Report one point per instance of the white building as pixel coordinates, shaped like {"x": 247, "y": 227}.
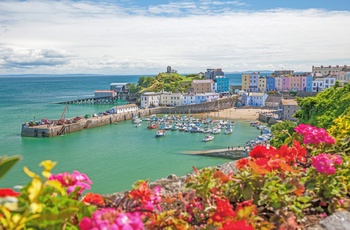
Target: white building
{"x": 105, "y": 93}
{"x": 124, "y": 108}
{"x": 254, "y": 99}
{"x": 320, "y": 84}
{"x": 170, "y": 99}
{"x": 329, "y": 70}
{"x": 150, "y": 99}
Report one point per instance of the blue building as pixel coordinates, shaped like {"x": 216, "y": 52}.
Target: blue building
{"x": 222, "y": 84}
{"x": 309, "y": 80}
{"x": 270, "y": 84}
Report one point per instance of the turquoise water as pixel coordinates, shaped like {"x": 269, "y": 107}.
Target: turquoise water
{"x": 113, "y": 156}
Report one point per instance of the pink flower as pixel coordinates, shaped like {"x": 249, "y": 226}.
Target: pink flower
{"x": 109, "y": 218}
{"x": 324, "y": 163}
{"x": 71, "y": 181}
{"x": 314, "y": 135}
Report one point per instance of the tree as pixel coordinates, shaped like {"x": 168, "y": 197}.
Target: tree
{"x": 322, "y": 109}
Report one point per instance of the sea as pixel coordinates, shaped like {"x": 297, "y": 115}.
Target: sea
{"x": 112, "y": 156}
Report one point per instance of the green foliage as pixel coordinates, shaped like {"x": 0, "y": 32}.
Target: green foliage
{"x": 172, "y": 82}
{"x": 6, "y": 163}
{"x": 322, "y": 109}
{"x": 281, "y": 132}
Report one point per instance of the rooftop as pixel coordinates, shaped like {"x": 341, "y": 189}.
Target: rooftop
{"x": 289, "y": 102}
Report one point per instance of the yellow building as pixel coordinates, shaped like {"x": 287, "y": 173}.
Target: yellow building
{"x": 262, "y": 84}
{"x": 245, "y": 82}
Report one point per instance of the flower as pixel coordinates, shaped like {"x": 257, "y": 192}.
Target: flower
{"x": 71, "y": 181}
{"x": 314, "y": 135}
{"x": 241, "y": 163}
{"x": 92, "y": 198}
{"x": 324, "y": 163}
{"x": 236, "y": 225}
{"x": 223, "y": 210}
{"x": 4, "y": 192}
{"x": 109, "y": 218}
{"x": 146, "y": 196}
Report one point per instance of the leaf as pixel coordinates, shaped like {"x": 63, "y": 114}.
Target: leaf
{"x": 246, "y": 212}
{"x": 6, "y": 163}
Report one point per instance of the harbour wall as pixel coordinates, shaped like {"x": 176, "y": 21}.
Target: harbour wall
{"x": 87, "y": 123}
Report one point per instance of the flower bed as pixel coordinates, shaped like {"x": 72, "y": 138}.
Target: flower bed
{"x": 289, "y": 187}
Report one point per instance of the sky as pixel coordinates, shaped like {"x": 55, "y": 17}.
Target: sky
{"x": 121, "y": 37}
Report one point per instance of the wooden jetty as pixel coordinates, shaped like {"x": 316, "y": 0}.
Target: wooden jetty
{"x": 233, "y": 153}
{"x": 93, "y": 100}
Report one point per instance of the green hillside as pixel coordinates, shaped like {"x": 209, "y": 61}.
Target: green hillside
{"x": 172, "y": 82}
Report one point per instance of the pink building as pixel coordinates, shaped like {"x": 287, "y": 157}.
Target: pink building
{"x": 295, "y": 83}
{"x": 285, "y": 83}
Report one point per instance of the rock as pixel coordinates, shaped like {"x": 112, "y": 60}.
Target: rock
{"x": 337, "y": 221}
{"x": 172, "y": 177}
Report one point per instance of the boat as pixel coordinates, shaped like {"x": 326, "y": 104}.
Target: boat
{"x": 152, "y": 126}
{"x": 137, "y": 125}
{"x": 208, "y": 138}
{"x": 160, "y": 133}
{"x": 216, "y": 131}
{"x": 228, "y": 131}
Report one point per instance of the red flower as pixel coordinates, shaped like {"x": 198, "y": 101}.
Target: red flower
{"x": 8, "y": 192}
{"x": 241, "y": 163}
{"x": 93, "y": 198}
{"x": 236, "y": 225}
{"x": 259, "y": 151}
{"x": 223, "y": 210}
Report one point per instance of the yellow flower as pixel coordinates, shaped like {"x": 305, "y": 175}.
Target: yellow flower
{"x": 34, "y": 189}
{"x": 48, "y": 165}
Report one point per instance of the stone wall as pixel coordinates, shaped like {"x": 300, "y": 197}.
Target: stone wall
{"x": 86, "y": 123}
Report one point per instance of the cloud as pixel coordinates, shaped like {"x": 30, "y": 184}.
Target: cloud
{"x": 102, "y": 37}
{"x": 30, "y": 58}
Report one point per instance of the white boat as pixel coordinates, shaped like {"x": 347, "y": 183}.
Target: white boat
{"x": 137, "y": 125}
{"x": 216, "y": 131}
{"x": 228, "y": 131}
{"x": 208, "y": 138}
{"x": 160, "y": 133}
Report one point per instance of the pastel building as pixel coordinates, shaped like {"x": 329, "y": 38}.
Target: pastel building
{"x": 170, "y": 99}
{"x": 262, "y": 84}
{"x": 188, "y": 99}
{"x": 203, "y": 86}
{"x": 222, "y": 84}
{"x": 206, "y": 97}
{"x": 295, "y": 83}
{"x": 150, "y": 99}
{"x": 245, "y": 82}
{"x": 254, "y": 82}
{"x": 270, "y": 84}
{"x": 306, "y": 83}
{"x": 285, "y": 83}
{"x": 254, "y": 99}
{"x": 278, "y": 83}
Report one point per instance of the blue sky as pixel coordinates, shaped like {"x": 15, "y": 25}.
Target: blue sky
{"x": 143, "y": 37}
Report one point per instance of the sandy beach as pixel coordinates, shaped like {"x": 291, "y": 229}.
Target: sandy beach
{"x": 238, "y": 113}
